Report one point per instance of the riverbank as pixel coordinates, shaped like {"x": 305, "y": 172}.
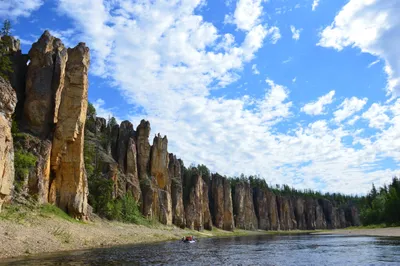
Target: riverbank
{"x": 388, "y": 231}
{"x": 37, "y": 230}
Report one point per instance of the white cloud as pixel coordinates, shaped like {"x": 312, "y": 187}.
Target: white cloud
{"x": 275, "y": 34}
{"x": 255, "y": 70}
{"x": 295, "y": 32}
{"x": 353, "y": 120}
{"x": 314, "y": 5}
{"x": 318, "y": 107}
{"x": 166, "y": 60}
{"x": 287, "y": 60}
{"x": 247, "y": 14}
{"x": 377, "y": 116}
{"x": 349, "y": 107}
{"x": 106, "y": 113}
{"x": 294, "y": 80}
{"x": 374, "y": 63}
{"x": 373, "y": 27}
{"x": 18, "y": 8}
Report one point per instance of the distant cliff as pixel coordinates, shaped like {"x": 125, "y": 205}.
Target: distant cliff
{"x": 81, "y": 162}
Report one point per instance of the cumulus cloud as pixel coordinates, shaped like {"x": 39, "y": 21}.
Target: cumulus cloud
{"x": 318, "y": 107}
{"x": 314, "y": 5}
{"x": 295, "y": 32}
{"x": 349, "y": 107}
{"x": 166, "y": 59}
{"x": 18, "y": 8}
{"x": 374, "y": 28}
{"x": 247, "y": 14}
{"x": 377, "y": 116}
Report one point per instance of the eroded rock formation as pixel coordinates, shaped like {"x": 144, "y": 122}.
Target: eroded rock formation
{"x": 222, "y": 208}
{"x": 243, "y": 207}
{"x": 44, "y": 84}
{"x": 197, "y": 208}
{"x": 175, "y": 174}
{"x": 69, "y": 189}
{"x": 8, "y": 101}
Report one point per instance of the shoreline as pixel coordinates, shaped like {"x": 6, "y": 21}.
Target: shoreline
{"x": 379, "y": 232}
{"x": 46, "y": 231}
{"x": 41, "y": 231}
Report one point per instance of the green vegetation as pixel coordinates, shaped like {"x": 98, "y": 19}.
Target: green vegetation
{"x": 5, "y": 30}
{"x": 24, "y": 161}
{"x": 5, "y": 62}
{"x": 382, "y": 207}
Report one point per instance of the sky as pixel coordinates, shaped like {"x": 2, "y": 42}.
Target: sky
{"x": 300, "y": 92}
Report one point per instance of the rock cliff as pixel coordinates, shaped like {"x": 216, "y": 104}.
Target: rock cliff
{"x": 69, "y": 188}
{"x": 243, "y": 207}
{"x": 175, "y": 174}
{"x": 221, "y": 203}
{"x": 8, "y": 101}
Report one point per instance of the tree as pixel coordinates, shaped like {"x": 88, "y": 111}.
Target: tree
{"x": 5, "y": 62}
{"x": 5, "y": 31}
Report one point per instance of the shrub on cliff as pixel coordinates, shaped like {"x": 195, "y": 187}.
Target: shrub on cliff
{"x": 5, "y": 62}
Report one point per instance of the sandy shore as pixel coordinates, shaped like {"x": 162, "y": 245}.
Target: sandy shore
{"x": 36, "y": 232}
{"x": 390, "y": 231}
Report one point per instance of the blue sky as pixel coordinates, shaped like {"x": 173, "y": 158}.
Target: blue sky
{"x": 300, "y": 92}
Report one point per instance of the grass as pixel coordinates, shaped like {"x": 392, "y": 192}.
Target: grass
{"x": 62, "y": 235}
{"x": 372, "y": 226}
{"x": 49, "y": 210}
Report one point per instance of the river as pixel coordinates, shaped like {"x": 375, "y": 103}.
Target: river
{"x": 249, "y": 250}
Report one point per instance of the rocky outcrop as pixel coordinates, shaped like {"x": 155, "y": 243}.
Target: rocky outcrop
{"x": 352, "y": 216}
{"x": 132, "y": 175}
{"x": 299, "y": 205}
{"x": 8, "y": 101}
{"x": 284, "y": 211}
{"x": 69, "y": 189}
{"x": 125, "y": 133}
{"x": 221, "y": 203}
{"x": 243, "y": 207}
{"x": 44, "y": 84}
{"x": 143, "y": 161}
{"x": 159, "y": 161}
{"x": 175, "y": 174}
{"x": 320, "y": 220}
{"x": 261, "y": 208}
{"x": 197, "y": 210}
{"x": 100, "y": 125}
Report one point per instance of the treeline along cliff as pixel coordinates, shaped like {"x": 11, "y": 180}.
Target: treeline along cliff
{"x": 65, "y": 155}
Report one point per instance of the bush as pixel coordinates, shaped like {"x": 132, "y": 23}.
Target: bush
{"x": 23, "y": 163}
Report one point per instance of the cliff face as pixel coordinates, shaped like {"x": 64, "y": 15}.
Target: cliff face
{"x": 243, "y": 207}
{"x": 69, "y": 189}
{"x": 222, "y": 208}
{"x": 8, "y": 101}
{"x": 175, "y": 174}
{"x": 197, "y": 210}
{"x": 44, "y": 84}
{"x": 159, "y": 161}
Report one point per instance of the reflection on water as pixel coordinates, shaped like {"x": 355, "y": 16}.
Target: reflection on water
{"x": 250, "y": 250}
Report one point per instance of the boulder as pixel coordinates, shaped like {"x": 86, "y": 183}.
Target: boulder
{"x": 221, "y": 203}
{"x": 8, "y": 101}
{"x": 243, "y": 207}
{"x": 69, "y": 189}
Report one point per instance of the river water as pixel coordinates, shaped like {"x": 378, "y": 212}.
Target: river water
{"x": 248, "y": 250}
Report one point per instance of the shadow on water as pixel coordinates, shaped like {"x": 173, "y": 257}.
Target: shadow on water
{"x": 249, "y": 250}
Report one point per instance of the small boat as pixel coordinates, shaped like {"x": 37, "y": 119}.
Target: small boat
{"x": 188, "y": 239}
